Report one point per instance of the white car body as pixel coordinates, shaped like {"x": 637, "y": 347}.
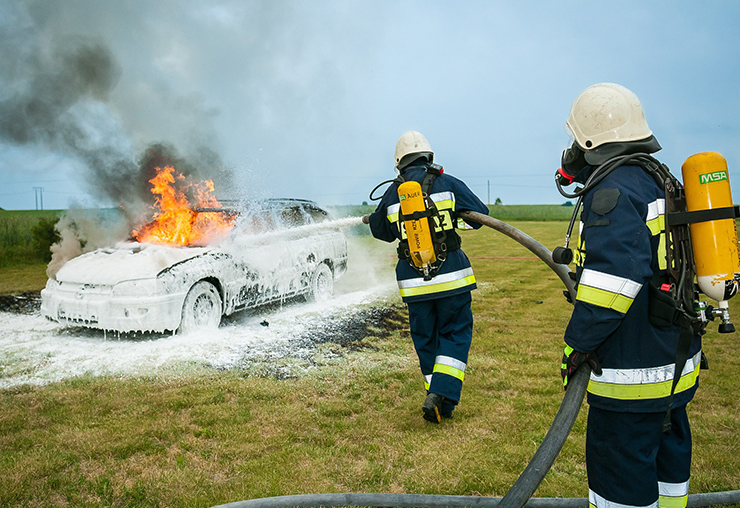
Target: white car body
{"x": 143, "y": 287}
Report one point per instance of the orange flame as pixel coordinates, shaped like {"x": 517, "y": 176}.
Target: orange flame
{"x": 176, "y": 223}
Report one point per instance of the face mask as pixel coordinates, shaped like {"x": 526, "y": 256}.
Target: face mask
{"x": 571, "y": 163}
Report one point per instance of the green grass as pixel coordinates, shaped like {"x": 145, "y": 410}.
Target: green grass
{"x": 19, "y": 244}
{"x": 22, "y": 278}
{"x": 353, "y": 423}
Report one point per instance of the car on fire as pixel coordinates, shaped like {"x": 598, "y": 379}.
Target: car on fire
{"x": 277, "y": 250}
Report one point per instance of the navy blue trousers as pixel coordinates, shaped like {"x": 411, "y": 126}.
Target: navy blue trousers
{"x": 442, "y": 330}
{"x": 630, "y": 460}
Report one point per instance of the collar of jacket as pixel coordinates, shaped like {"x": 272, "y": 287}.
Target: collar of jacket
{"x": 419, "y": 163}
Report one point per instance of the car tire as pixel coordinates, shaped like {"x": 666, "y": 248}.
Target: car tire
{"x": 201, "y": 309}
{"x": 322, "y": 284}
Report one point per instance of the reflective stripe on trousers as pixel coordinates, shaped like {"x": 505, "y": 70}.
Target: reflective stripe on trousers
{"x": 596, "y": 501}
{"x": 450, "y": 366}
{"x": 673, "y": 495}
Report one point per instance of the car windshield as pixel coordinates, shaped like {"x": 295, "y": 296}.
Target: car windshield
{"x": 271, "y": 215}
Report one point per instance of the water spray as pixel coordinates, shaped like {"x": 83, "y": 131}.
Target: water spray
{"x": 307, "y": 229}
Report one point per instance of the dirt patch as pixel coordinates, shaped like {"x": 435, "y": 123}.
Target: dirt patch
{"x": 348, "y": 331}
{"x": 24, "y": 303}
{"x": 343, "y": 333}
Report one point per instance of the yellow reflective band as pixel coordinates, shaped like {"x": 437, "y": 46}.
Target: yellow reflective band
{"x": 427, "y": 381}
{"x": 438, "y": 288}
{"x": 579, "y": 254}
{"x": 393, "y": 217}
{"x": 578, "y": 257}
{"x": 447, "y": 198}
{"x": 642, "y": 391}
{"x": 450, "y": 371}
{"x": 662, "y": 260}
{"x": 656, "y": 225}
{"x": 445, "y": 204}
{"x": 673, "y": 502}
{"x": 602, "y": 298}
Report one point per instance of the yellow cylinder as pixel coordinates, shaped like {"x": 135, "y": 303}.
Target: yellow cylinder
{"x": 707, "y": 185}
{"x": 418, "y": 233}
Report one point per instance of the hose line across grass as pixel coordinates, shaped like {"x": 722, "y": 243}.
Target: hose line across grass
{"x": 520, "y": 494}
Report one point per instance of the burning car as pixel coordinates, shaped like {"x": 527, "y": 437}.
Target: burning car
{"x": 273, "y": 250}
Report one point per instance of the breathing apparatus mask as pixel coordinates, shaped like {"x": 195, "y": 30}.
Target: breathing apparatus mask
{"x": 572, "y": 162}
{"x": 604, "y": 159}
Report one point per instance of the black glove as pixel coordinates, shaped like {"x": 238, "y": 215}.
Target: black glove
{"x": 573, "y": 359}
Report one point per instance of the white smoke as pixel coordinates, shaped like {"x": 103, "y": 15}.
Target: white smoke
{"x": 82, "y": 231}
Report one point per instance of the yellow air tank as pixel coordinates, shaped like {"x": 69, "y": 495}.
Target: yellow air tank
{"x": 421, "y": 247}
{"x": 707, "y": 186}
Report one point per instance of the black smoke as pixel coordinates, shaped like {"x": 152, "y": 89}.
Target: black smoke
{"x": 55, "y": 95}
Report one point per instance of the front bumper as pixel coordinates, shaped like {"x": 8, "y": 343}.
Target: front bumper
{"x": 102, "y": 309}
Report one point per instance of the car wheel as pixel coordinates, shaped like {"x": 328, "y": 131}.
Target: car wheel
{"x": 201, "y": 309}
{"x": 322, "y": 284}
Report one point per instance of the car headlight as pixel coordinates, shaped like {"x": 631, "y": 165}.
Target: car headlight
{"x": 142, "y": 287}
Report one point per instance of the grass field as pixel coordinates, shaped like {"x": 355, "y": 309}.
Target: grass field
{"x": 20, "y": 236}
{"x": 353, "y": 423}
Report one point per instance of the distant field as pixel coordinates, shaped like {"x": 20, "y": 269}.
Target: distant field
{"x": 504, "y": 212}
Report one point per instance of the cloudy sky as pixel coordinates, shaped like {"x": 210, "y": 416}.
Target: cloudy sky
{"x": 307, "y": 98}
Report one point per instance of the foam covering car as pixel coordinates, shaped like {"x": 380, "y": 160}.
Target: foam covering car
{"x": 277, "y": 250}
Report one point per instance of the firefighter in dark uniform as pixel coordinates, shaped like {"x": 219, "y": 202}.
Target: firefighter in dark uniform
{"x": 638, "y": 452}
{"x": 440, "y": 316}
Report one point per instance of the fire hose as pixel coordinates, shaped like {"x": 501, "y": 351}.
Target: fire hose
{"x": 520, "y": 493}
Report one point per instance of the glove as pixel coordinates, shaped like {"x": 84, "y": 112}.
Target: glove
{"x": 366, "y": 219}
{"x": 573, "y": 359}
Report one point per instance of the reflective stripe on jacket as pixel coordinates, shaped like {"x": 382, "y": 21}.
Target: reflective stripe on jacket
{"x": 621, "y": 246}
{"x": 450, "y": 196}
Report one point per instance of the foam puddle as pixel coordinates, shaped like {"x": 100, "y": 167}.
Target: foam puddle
{"x": 36, "y": 351}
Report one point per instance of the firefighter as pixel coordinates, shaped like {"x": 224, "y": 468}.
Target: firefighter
{"x": 438, "y": 300}
{"x": 638, "y": 451}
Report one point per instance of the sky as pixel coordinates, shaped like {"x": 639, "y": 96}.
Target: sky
{"x": 306, "y": 99}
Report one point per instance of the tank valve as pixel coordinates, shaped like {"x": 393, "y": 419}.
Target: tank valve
{"x": 724, "y": 314}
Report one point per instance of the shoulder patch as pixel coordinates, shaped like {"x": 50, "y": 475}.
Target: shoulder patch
{"x": 604, "y": 201}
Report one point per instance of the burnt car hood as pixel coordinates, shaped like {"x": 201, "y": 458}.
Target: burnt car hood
{"x": 125, "y": 261}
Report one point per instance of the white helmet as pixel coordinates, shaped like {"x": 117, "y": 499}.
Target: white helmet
{"x": 412, "y": 142}
{"x": 606, "y": 113}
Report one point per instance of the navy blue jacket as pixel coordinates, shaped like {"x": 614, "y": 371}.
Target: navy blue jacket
{"x": 450, "y": 196}
{"x": 621, "y": 246}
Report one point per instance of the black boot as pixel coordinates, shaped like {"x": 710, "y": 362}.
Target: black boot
{"x": 431, "y": 408}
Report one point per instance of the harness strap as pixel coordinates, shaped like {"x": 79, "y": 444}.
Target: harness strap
{"x": 682, "y": 354}
{"x": 442, "y": 241}
{"x": 681, "y": 218}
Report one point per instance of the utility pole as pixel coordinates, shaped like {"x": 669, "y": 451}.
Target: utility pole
{"x": 39, "y": 195}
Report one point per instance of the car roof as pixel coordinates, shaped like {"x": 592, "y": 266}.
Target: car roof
{"x": 272, "y": 204}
